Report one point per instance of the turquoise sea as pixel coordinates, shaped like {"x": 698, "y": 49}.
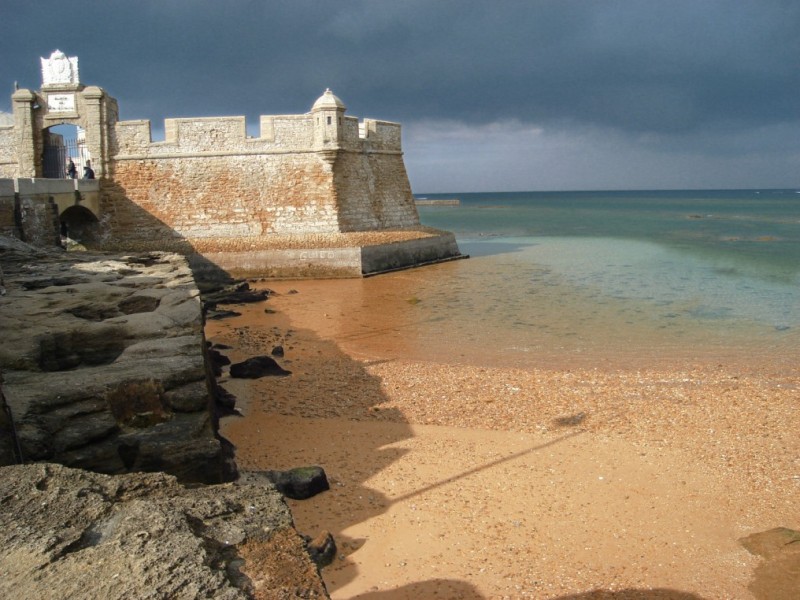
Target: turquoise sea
{"x": 627, "y": 280}
{"x": 655, "y": 273}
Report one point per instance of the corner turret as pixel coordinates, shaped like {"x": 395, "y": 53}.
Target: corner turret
{"x": 328, "y": 112}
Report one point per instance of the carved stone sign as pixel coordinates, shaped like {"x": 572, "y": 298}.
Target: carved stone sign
{"x": 60, "y": 69}
{"x": 61, "y": 103}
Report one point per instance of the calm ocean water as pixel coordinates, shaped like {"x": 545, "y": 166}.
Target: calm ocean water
{"x": 656, "y": 273}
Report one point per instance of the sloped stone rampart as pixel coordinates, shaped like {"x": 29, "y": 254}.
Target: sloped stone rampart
{"x": 374, "y": 192}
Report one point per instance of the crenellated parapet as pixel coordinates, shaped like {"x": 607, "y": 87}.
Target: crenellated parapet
{"x": 380, "y": 135}
{"x": 323, "y": 129}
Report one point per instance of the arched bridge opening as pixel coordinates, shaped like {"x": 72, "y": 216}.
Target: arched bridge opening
{"x": 80, "y": 224}
{"x": 63, "y": 192}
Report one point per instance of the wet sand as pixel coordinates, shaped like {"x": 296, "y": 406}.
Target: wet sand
{"x": 461, "y": 480}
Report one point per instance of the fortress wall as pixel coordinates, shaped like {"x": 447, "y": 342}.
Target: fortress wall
{"x": 374, "y": 192}
{"x": 208, "y": 187}
{"x": 279, "y": 133}
{"x": 307, "y": 192}
{"x": 8, "y": 152}
{"x": 181, "y": 135}
{"x": 8, "y": 221}
{"x": 288, "y": 132}
{"x": 215, "y": 135}
{"x": 131, "y": 137}
{"x": 351, "y": 133}
{"x": 377, "y": 135}
{"x": 38, "y": 220}
{"x": 383, "y": 135}
{"x": 218, "y": 200}
{"x": 28, "y": 210}
{"x": 209, "y": 184}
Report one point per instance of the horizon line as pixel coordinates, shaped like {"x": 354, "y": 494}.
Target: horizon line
{"x": 615, "y": 190}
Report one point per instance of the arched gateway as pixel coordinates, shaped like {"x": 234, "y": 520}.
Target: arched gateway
{"x": 63, "y": 99}
{"x": 315, "y": 194}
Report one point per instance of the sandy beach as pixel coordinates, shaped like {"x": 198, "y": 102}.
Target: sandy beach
{"x": 454, "y": 480}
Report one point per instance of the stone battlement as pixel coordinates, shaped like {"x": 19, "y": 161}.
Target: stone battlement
{"x": 218, "y": 136}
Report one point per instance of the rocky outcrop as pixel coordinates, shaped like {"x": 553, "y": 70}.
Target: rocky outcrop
{"x": 67, "y": 533}
{"x": 9, "y": 454}
{"x": 104, "y": 366}
{"x": 104, "y": 362}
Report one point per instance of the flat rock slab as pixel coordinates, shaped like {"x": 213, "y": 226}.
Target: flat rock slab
{"x": 239, "y": 293}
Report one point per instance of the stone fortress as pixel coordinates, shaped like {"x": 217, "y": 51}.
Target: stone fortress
{"x": 317, "y": 194}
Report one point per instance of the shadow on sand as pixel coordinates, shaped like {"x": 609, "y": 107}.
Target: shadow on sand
{"x": 305, "y": 419}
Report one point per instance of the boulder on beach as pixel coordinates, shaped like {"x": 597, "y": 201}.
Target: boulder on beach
{"x": 322, "y": 549}
{"x": 257, "y": 366}
{"x": 299, "y": 483}
{"x": 239, "y": 293}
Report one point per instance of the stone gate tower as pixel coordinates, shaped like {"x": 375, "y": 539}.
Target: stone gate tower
{"x": 63, "y": 99}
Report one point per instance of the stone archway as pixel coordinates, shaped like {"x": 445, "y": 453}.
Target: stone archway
{"x": 62, "y": 100}
{"x": 80, "y": 224}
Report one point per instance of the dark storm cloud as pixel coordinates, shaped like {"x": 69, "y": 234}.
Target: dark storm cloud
{"x": 660, "y": 73}
{"x": 635, "y": 65}
{"x": 640, "y": 66}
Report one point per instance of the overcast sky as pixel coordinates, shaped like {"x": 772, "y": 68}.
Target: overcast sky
{"x": 493, "y": 95}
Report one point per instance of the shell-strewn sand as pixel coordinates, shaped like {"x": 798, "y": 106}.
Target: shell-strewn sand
{"x": 455, "y": 481}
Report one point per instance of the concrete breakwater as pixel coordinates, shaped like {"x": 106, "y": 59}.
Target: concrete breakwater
{"x": 437, "y": 201}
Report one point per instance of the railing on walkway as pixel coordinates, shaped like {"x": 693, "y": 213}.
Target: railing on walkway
{"x": 55, "y": 163}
